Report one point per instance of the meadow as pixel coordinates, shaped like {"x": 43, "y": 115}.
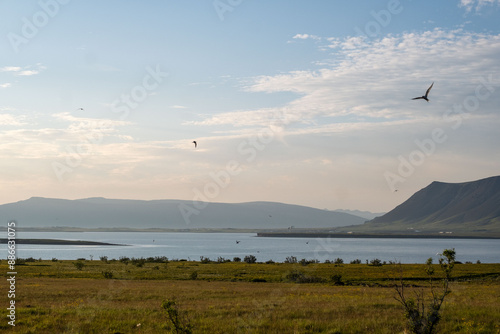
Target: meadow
{"x": 237, "y": 297}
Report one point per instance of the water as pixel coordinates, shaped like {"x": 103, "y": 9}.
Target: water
{"x": 192, "y": 246}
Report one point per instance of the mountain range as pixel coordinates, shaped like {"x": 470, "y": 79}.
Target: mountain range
{"x": 39, "y": 212}
{"x": 455, "y": 209}
{"x": 471, "y": 208}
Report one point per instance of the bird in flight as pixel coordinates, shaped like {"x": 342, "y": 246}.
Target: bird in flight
{"x": 80, "y": 109}
{"x": 195, "y": 144}
{"x": 426, "y": 94}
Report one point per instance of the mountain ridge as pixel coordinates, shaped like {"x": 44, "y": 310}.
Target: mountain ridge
{"x": 99, "y": 212}
{"x": 465, "y": 207}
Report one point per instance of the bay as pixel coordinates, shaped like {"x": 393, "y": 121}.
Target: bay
{"x": 192, "y": 246}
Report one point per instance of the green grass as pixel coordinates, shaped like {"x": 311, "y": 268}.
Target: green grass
{"x": 56, "y": 297}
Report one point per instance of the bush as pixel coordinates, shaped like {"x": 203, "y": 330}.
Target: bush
{"x": 79, "y": 265}
{"x": 140, "y": 262}
{"x": 299, "y": 277}
{"x": 338, "y": 261}
{"x": 305, "y": 262}
{"x": 205, "y": 259}
{"x": 107, "y": 274}
{"x": 376, "y": 263}
{"x": 357, "y": 261}
{"x": 220, "y": 259}
{"x": 103, "y": 259}
{"x": 236, "y": 259}
{"x": 291, "y": 259}
{"x": 250, "y": 259}
{"x": 422, "y": 318}
{"x": 193, "y": 275}
{"x": 54, "y": 259}
{"x": 337, "y": 279}
{"x": 181, "y": 326}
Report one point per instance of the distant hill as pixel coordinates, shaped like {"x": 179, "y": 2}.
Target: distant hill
{"x": 363, "y": 214}
{"x": 112, "y": 213}
{"x": 460, "y": 208}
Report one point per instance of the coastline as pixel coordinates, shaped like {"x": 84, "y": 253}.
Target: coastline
{"x": 59, "y": 242}
{"x": 372, "y": 235}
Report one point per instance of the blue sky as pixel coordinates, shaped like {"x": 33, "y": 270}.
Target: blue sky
{"x": 292, "y": 101}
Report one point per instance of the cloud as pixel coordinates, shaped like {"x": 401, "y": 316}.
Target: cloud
{"x": 305, "y": 36}
{"x": 24, "y": 71}
{"x": 5, "y": 85}
{"x": 476, "y": 4}
{"x": 374, "y": 80}
{"x": 10, "y": 69}
{"x": 7, "y": 119}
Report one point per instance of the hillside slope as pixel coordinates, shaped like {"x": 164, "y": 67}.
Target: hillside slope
{"x": 469, "y": 207}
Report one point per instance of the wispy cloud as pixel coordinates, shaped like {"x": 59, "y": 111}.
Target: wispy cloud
{"x": 375, "y": 80}
{"x": 24, "y": 71}
{"x": 477, "y": 4}
{"x": 7, "y": 119}
{"x": 306, "y": 36}
{"x": 5, "y": 85}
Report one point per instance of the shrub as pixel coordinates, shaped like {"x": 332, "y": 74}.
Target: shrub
{"x": 375, "y": 263}
{"x": 124, "y": 259}
{"x": 193, "y": 275}
{"x": 337, "y": 279}
{"x": 181, "y": 326}
{"x": 338, "y": 261}
{"x": 220, "y": 259}
{"x": 204, "y": 259}
{"x": 79, "y": 265}
{"x": 250, "y": 259}
{"x": 103, "y": 259}
{"x": 291, "y": 259}
{"x": 107, "y": 274}
{"x": 54, "y": 259}
{"x": 236, "y": 259}
{"x": 139, "y": 262}
{"x": 299, "y": 277}
{"x": 305, "y": 262}
{"x": 422, "y": 318}
{"x": 357, "y": 261}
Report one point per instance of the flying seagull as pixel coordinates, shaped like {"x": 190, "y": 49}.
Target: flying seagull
{"x": 80, "y": 109}
{"x": 426, "y": 93}
{"x": 195, "y": 144}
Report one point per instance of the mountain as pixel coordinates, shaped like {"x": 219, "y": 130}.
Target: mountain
{"x": 363, "y": 214}
{"x": 460, "y": 208}
{"x": 170, "y": 214}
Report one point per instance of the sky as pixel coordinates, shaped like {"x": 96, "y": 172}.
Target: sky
{"x": 298, "y": 102}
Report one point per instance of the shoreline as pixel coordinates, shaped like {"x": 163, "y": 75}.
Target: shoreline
{"x": 367, "y": 235}
{"x": 59, "y": 242}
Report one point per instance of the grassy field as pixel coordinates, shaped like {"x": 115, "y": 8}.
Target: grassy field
{"x": 57, "y": 297}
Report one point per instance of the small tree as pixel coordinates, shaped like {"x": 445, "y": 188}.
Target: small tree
{"x": 422, "y": 319}
{"x": 180, "y": 326}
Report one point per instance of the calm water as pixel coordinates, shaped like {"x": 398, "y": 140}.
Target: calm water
{"x": 193, "y": 245}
